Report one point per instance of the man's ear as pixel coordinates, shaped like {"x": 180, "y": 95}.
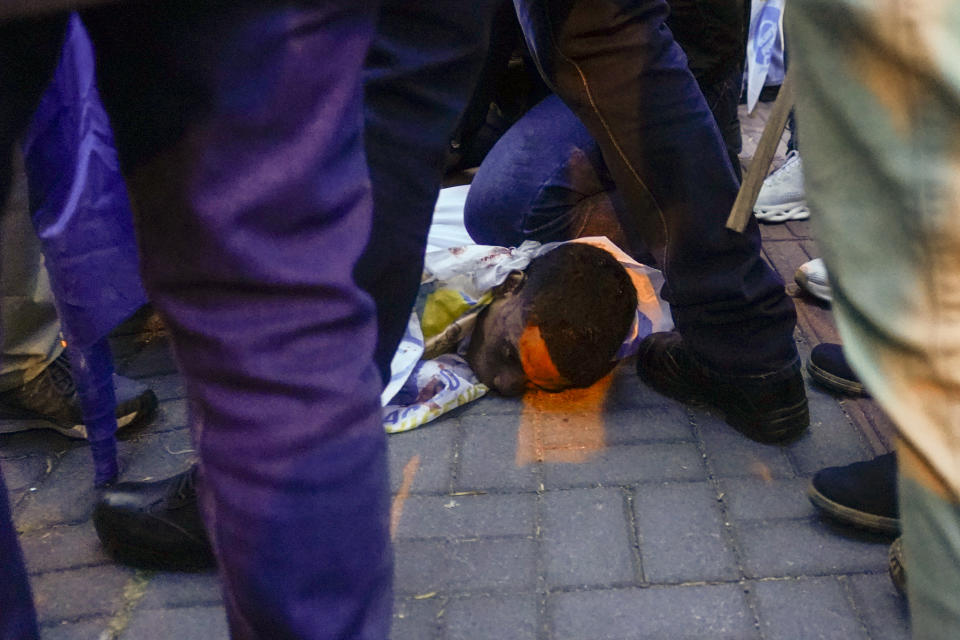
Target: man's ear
{"x": 511, "y": 285}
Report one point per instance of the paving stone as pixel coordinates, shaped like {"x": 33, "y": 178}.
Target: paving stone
{"x": 883, "y": 609}
{"x": 432, "y": 444}
{"x": 466, "y": 516}
{"x": 500, "y": 616}
{"x": 90, "y": 629}
{"x": 627, "y": 392}
{"x": 167, "y": 387}
{"x": 45, "y": 442}
{"x": 489, "y": 405}
{"x": 417, "y": 619}
{"x": 682, "y": 534}
{"x": 586, "y": 537}
{"x": 733, "y": 454}
{"x": 786, "y": 257}
{"x": 771, "y": 233}
{"x": 648, "y": 424}
{"x": 758, "y": 499}
{"x": 171, "y": 414}
{"x": 806, "y": 608}
{"x": 181, "y": 589}
{"x": 67, "y": 595}
{"x": 22, "y": 473}
{"x": 423, "y": 566}
{"x": 156, "y": 456}
{"x": 629, "y": 464}
{"x": 808, "y": 547}
{"x": 830, "y": 441}
{"x": 717, "y": 612}
{"x": 65, "y": 497}
{"x": 62, "y": 547}
{"x": 488, "y": 458}
{"x": 154, "y": 359}
{"x": 815, "y": 318}
{"x": 188, "y": 623}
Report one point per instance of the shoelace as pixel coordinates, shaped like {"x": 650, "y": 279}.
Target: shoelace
{"x": 790, "y": 165}
{"x": 61, "y": 376}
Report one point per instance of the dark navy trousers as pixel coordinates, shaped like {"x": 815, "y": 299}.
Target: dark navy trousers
{"x": 635, "y": 94}
{"x": 239, "y": 127}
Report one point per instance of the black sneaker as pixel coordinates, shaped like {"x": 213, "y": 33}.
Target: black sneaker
{"x": 829, "y": 367}
{"x": 154, "y": 525}
{"x": 862, "y": 494}
{"x": 771, "y": 408}
{"x": 49, "y": 401}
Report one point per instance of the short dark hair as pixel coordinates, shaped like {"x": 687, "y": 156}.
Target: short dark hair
{"x": 584, "y": 303}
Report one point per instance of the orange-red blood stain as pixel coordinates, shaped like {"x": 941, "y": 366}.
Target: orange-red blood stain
{"x": 562, "y": 427}
{"x": 396, "y": 509}
{"x": 536, "y": 361}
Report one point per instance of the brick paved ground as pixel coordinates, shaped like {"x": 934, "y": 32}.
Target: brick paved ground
{"x": 611, "y": 513}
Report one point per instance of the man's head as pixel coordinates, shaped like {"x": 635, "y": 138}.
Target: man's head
{"x": 556, "y": 325}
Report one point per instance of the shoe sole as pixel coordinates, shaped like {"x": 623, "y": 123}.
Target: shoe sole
{"x": 780, "y": 427}
{"x": 836, "y": 383}
{"x": 14, "y": 424}
{"x": 818, "y": 291}
{"x": 854, "y": 517}
{"x": 775, "y": 214}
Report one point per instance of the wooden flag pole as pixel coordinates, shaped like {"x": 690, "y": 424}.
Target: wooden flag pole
{"x": 766, "y": 149}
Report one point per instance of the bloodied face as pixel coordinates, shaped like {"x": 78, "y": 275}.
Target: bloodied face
{"x": 575, "y": 298}
{"x": 506, "y": 352}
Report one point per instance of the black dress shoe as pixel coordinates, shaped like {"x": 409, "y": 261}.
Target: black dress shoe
{"x": 154, "y": 525}
{"x": 770, "y": 408}
{"x": 829, "y": 367}
{"x": 862, "y": 494}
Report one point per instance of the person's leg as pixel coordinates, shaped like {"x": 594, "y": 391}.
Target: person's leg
{"x": 29, "y": 324}
{"x": 418, "y": 77}
{"x": 878, "y": 101}
{"x": 543, "y": 180}
{"x": 713, "y": 35}
{"x": 28, "y": 54}
{"x": 931, "y": 548}
{"x": 18, "y": 619}
{"x": 634, "y": 92}
{"x": 240, "y": 131}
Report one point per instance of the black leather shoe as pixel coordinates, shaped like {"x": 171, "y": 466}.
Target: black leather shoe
{"x": 771, "y": 408}
{"x": 862, "y": 494}
{"x": 154, "y": 525}
{"x": 829, "y": 367}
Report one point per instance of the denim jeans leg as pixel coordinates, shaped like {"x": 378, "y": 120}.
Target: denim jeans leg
{"x": 532, "y": 181}
{"x": 417, "y": 79}
{"x": 239, "y": 127}
{"x": 634, "y": 92}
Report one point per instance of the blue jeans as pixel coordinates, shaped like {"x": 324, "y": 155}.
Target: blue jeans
{"x": 637, "y": 98}
{"x": 240, "y": 131}
{"x": 545, "y": 179}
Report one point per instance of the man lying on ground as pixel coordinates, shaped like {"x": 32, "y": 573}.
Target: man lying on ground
{"x": 562, "y": 321}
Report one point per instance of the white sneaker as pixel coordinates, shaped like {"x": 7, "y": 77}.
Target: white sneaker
{"x": 781, "y": 197}
{"x": 812, "y": 278}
